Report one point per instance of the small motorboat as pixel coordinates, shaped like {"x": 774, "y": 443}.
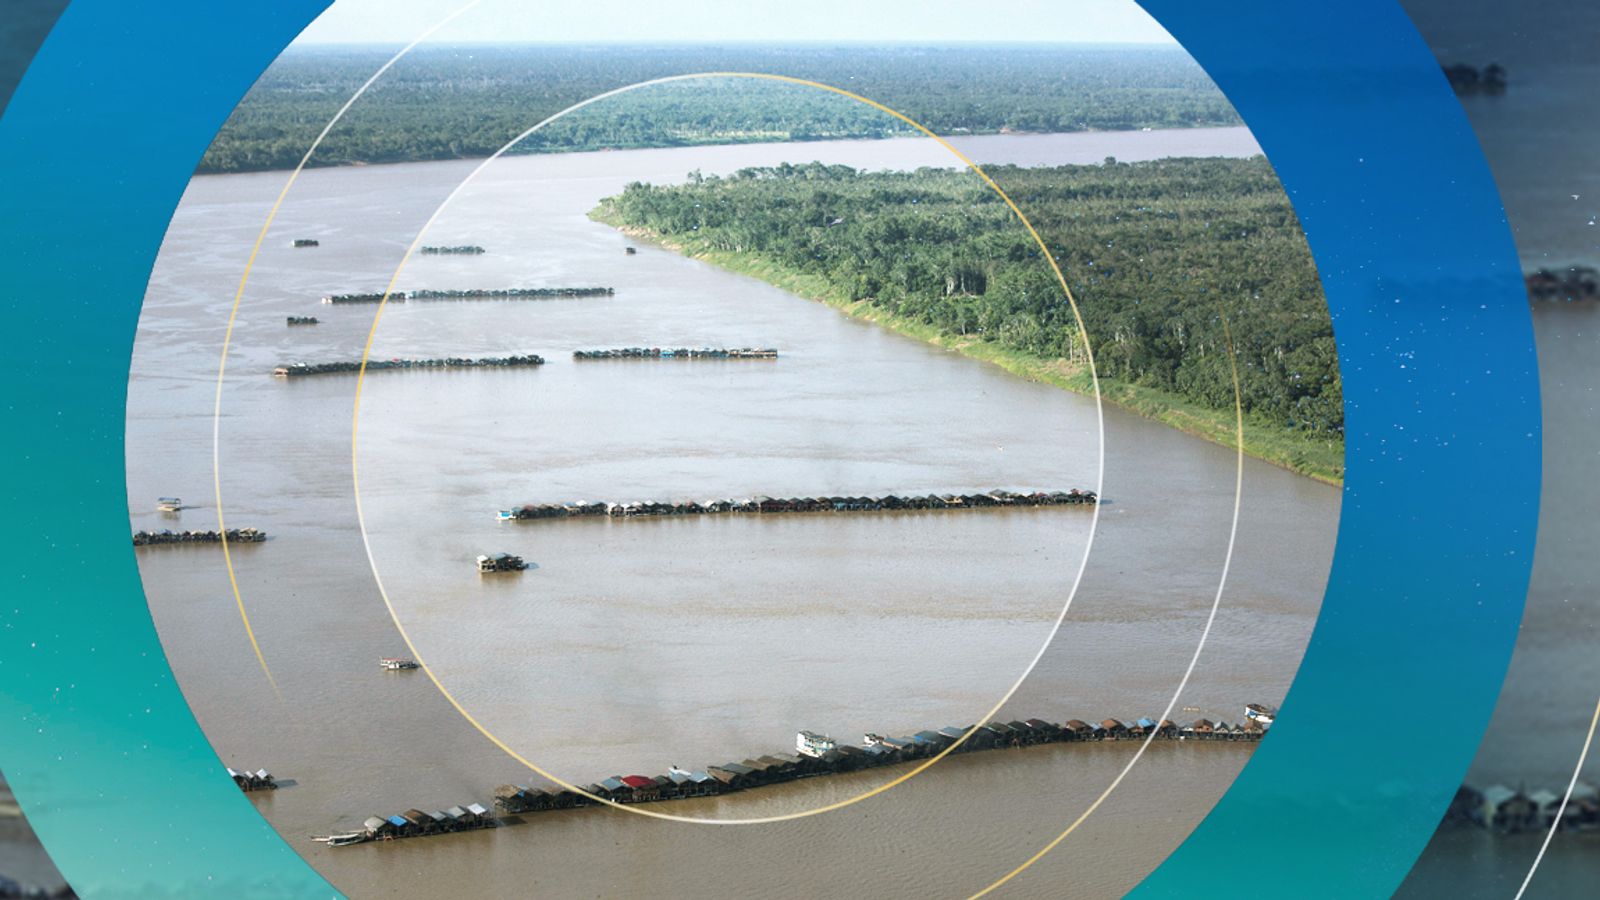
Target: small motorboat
{"x": 169, "y": 504}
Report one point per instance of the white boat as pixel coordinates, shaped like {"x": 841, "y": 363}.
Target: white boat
{"x": 809, "y": 743}
{"x": 1259, "y": 713}
{"x": 348, "y": 838}
{"x": 169, "y": 504}
{"x": 394, "y": 663}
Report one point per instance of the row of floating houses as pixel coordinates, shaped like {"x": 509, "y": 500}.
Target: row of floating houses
{"x": 678, "y": 353}
{"x": 415, "y": 823}
{"x": 474, "y": 294}
{"x": 1571, "y": 284}
{"x": 295, "y": 370}
{"x": 463, "y": 250}
{"x": 767, "y": 505}
{"x": 815, "y": 755}
{"x": 1502, "y": 810}
{"x": 302, "y": 320}
{"x": 232, "y": 535}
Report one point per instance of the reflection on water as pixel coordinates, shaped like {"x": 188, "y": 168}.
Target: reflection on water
{"x": 640, "y": 644}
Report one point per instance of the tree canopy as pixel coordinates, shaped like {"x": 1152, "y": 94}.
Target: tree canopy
{"x": 1171, "y": 262}
{"x": 467, "y": 101}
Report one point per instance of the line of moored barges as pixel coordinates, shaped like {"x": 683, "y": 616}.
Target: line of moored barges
{"x": 294, "y": 370}
{"x": 475, "y": 294}
{"x": 1502, "y": 810}
{"x": 766, "y": 505}
{"x": 815, "y": 755}
{"x": 1568, "y": 285}
{"x": 415, "y": 823}
{"x": 233, "y": 535}
{"x": 678, "y": 353}
{"x": 464, "y": 249}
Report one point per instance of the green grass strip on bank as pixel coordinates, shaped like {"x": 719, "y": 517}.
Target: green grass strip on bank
{"x": 1308, "y": 455}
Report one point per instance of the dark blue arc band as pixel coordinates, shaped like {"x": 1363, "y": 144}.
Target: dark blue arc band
{"x": 96, "y": 147}
{"x": 1442, "y": 448}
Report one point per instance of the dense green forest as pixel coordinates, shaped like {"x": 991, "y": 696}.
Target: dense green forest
{"x": 1164, "y": 258}
{"x": 467, "y": 101}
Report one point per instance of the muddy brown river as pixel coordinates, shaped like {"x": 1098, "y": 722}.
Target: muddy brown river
{"x": 634, "y": 645}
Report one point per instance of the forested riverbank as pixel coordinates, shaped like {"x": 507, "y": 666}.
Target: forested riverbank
{"x": 453, "y": 102}
{"x": 1171, "y": 262}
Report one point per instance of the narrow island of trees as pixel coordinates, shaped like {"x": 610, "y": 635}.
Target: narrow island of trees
{"x": 1170, "y": 262}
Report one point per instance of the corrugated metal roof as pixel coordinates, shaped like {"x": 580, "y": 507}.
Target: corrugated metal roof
{"x": 637, "y": 781}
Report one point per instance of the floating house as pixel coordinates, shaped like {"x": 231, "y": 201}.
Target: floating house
{"x": 500, "y": 562}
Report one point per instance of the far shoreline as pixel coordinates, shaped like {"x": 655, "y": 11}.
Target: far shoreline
{"x": 723, "y": 142}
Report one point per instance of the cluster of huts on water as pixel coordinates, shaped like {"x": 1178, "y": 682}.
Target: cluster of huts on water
{"x": 305, "y": 242}
{"x": 294, "y": 370}
{"x": 1503, "y": 810}
{"x": 259, "y": 780}
{"x": 1570, "y": 284}
{"x": 474, "y": 294}
{"x": 464, "y": 249}
{"x": 818, "y": 755}
{"x": 1465, "y": 79}
{"x": 678, "y": 353}
{"x": 763, "y": 505}
{"x": 233, "y": 535}
{"x": 302, "y": 320}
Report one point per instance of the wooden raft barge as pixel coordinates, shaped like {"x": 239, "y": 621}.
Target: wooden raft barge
{"x": 554, "y": 293}
{"x": 232, "y": 535}
{"x": 677, "y": 353}
{"x": 299, "y": 370}
{"x": 769, "y": 505}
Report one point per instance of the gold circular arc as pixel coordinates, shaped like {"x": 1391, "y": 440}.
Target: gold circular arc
{"x": 1205, "y": 633}
{"x": 233, "y": 316}
{"x": 400, "y": 627}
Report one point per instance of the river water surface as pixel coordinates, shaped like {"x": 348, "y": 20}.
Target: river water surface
{"x": 635, "y": 645}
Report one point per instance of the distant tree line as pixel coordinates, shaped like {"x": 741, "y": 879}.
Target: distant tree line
{"x": 1164, "y": 258}
{"x": 467, "y": 101}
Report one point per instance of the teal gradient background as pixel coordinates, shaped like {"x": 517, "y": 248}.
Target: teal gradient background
{"x": 1422, "y": 607}
{"x": 96, "y": 147}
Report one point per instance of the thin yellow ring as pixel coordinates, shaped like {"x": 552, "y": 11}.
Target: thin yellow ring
{"x": 233, "y": 315}
{"x": 356, "y": 481}
{"x": 1216, "y": 603}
